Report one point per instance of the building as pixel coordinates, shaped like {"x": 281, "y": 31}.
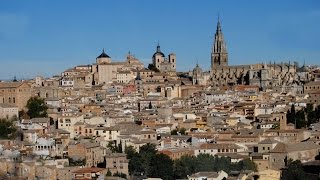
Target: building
{"x": 219, "y": 54}
{"x": 93, "y": 153}
{"x": 89, "y": 173}
{"x": 15, "y": 93}
{"x": 162, "y": 63}
{"x": 106, "y": 71}
{"x": 281, "y": 76}
{"x": 8, "y": 111}
{"x": 117, "y": 162}
{"x": 208, "y": 176}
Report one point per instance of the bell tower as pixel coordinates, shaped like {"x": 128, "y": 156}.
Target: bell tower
{"x": 219, "y": 54}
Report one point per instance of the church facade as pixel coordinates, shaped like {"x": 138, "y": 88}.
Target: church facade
{"x": 264, "y": 75}
{"x": 162, "y": 63}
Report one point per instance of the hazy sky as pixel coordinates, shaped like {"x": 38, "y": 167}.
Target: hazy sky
{"x": 46, "y": 37}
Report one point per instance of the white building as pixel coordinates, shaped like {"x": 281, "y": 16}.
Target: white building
{"x": 8, "y": 111}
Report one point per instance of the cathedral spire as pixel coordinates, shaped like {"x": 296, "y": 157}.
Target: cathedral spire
{"x": 219, "y": 54}
{"x": 218, "y": 25}
{"x": 158, "y": 47}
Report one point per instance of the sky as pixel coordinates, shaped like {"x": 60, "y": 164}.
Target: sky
{"x": 39, "y": 37}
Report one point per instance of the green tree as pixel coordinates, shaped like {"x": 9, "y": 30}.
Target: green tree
{"x": 7, "y": 129}
{"x": 161, "y": 166}
{"x": 153, "y": 68}
{"x": 174, "y": 132}
{"x": 184, "y": 166}
{"x": 247, "y": 164}
{"x": 77, "y": 162}
{"x": 135, "y": 161}
{"x": 119, "y": 174}
{"x": 300, "y": 119}
{"x": 36, "y": 107}
{"x": 294, "y": 171}
{"x": 182, "y": 131}
{"x": 109, "y": 173}
{"x": 187, "y": 165}
{"x": 112, "y": 145}
{"x": 276, "y": 126}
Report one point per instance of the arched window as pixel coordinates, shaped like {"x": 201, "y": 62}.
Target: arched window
{"x": 9, "y": 99}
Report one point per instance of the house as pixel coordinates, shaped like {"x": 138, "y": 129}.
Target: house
{"x": 269, "y": 174}
{"x": 221, "y": 175}
{"x": 117, "y": 162}
{"x": 88, "y": 173}
{"x": 213, "y": 149}
{"x": 93, "y": 153}
{"x": 8, "y": 111}
{"x": 15, "y": 93}
{"x": 177, "y": 153}
{"x": 266, "y": 145}
{"x": 303, "y": 151}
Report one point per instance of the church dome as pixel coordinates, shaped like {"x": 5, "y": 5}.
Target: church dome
{"x": 158, "y": 52}
{"x": 303, "y": 69}
{"x": 103, "y": 55}
{"x": 197, "y": 69}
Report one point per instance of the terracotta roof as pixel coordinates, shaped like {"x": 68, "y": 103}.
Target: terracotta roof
{"x": 11, "y": 84}
{"x": 300, "y": 146}
{"x": 89, "y": 170}
{"x": 219, "y": 146}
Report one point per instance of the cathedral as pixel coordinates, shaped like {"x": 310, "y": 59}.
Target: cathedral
{"x": 264, "y": 75}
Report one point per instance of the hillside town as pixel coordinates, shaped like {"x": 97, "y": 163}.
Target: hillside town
{"x": 122, "y": 120}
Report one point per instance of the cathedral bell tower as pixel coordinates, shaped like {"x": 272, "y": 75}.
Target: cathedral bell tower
{"x": 219, "y": 54}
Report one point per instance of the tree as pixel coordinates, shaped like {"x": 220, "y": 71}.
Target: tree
{"x": 248, "y": 164}
{"x": 161, "y": 166}
{"x": 294, "y": 171}
{"x": 187, "y": 165}
{"x": 184, "y": 166}
{"x": 153, "y": 68}
{"x": 174, "y": 132}
{"x": 77, "y": 162}
{"x": 276, "y": 126}
{"x": 182, "y": 131}
{"x": 7, "y": 129}
{"x": 119, "y": 174}
{"x": 112, "y": 145}
{"x": 109, "y": 173}
{"x": 135, "y": 165}
{"x": 36, "y": 107}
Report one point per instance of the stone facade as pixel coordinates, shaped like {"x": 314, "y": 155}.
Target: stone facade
{"x": 8, "y": 111}
{"x": 15, "y": 93}
{"x": 162, "y": 63}
{"x": 286, "y": 77}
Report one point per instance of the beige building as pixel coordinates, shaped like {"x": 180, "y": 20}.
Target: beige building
{"x": 124, "y": 76}
{"x": 8, "y": 111}
{"x": 66, "y": 121}
{"x": 105, "y": 71}
{"x": 269, "y": 174}
{"x": 303, "y": 151}
{"x": 93, "y": 153}
{"x": 117, "y": 162}
{"x": 15, "y": 93}
{"x": 88, "y": 173}
{"x": 162, "y": 63}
